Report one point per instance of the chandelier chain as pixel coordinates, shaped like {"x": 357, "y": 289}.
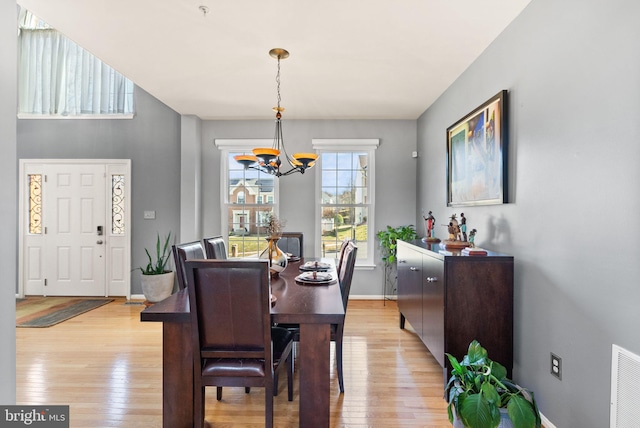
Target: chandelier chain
{"x": 278, "y": 83}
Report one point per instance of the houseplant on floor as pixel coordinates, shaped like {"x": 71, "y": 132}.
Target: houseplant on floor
{"x": 481, "y": 396}
{"x": 389, "y": 245}
{"x": 156, "y": 281}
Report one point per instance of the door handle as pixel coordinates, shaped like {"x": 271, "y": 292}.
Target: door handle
{"x": 99, "y": 241}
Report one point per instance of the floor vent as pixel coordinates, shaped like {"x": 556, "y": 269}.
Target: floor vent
{"x": 625, "y": 378}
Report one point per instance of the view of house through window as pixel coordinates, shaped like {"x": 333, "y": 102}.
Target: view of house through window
{"x": 346, "y": 203}
{"x": 344, "y": 200}
{"x": 250, "y": 198}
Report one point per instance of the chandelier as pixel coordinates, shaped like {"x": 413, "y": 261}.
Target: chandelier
{"x": 267, "y": 159}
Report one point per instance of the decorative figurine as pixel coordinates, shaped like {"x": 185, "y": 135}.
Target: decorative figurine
{"x": 455, "y": 233}
{"x": 463, "y": 227}
{"x": 472, "y": 238}
{"x": 430, "y": 222}
{"x": 453, "y": 228}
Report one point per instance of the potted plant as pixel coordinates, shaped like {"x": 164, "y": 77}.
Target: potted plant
{"x": 156, "y": 280}
{"x": 481, "y": 396}
{"x": 389, "y": 245}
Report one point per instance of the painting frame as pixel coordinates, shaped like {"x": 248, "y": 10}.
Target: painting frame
{"x": 477, "y": 147}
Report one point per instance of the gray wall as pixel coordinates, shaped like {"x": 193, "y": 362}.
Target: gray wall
{"x": 572, "y": 69}
{"x": 395, "y": 176}
{"x": 9, "y": 205}
{"x": 151, "y": 140}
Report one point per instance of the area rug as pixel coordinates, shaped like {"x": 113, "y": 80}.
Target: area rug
{"x": 48, "y": 311}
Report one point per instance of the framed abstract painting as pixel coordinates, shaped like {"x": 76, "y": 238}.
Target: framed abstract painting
{"x": 477, "y": 155}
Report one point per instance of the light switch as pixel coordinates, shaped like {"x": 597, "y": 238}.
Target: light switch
{"x": 149, "y": 215}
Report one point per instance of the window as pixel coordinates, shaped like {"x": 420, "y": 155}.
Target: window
{"x": 248, "y": 196}
{"x": 57, "y": 78}
{"x": 345, "y": 179}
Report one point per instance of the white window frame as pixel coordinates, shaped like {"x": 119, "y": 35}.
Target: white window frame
{"x": 227, "y": 146}
{"x": 348, "y": 145}
{"x": 88, "y": 78}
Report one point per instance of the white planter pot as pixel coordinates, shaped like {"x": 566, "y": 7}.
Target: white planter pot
{"x": 505, "y": 422}
{"x": 157, "y": 287}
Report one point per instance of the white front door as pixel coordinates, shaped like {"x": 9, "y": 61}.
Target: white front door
{"x": 74, "y": 249}
{"x": 73, "y": 236}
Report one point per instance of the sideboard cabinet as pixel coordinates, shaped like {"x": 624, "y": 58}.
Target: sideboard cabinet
{"x": 450, "y": 300}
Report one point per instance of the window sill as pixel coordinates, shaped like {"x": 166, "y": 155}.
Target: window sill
{"x": 84, "y": 116}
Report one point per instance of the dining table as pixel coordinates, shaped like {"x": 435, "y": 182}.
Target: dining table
{"x": 314, "y": 306}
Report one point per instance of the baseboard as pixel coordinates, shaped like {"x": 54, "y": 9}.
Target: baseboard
{"x": 137, "y": 297}
{"x": 546, "y": 422}
{"x": 371, "y": 297}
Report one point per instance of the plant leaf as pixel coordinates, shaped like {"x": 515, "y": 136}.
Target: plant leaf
{"x": 521, "y": 413}
{"x": 489, "y": 392}
{"x": 498, "y": 370}
{"x": 475, "y": 412}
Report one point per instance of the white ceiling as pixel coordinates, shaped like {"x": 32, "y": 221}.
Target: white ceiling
{"x": 350, "y": 59}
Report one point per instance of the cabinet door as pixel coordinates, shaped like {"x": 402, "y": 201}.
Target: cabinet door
{"x": 433, "y": 307}
{"x": 410, "y": 286}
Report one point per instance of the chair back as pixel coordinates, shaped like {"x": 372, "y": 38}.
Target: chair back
{"x": 230, "y": 309}
{"x": 183, "y": 252}
{"x": 345, "y": 274}
{"x": 341, "y": 253}
{"x": 291, "y": 242}
{"x": 215, "y": 248}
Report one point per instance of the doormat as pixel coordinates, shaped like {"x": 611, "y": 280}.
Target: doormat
{"x": 48, "y": 311}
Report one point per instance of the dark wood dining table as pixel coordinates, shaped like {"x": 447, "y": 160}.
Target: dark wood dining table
{"x": 314, "y": 307}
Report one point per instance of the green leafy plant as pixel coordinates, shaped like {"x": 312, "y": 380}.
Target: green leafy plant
{"x": 479, "y": 387}
{"x": 389, "y": 240}
{"x": 163, "y": 252}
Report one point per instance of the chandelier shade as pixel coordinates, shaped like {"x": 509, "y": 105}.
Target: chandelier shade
{"x": 267, "y": 159}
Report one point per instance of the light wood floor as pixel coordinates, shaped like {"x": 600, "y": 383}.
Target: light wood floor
{"x": 107, "y": 365}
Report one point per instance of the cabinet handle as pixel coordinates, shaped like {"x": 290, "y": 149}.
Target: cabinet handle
{"x": 413, "y": 268}
{"x": 432, "y": 279}
{"x": 401, "y": 261}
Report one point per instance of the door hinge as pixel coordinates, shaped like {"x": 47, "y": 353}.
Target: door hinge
{"x": 45, "y": 230}
{"x": 45, "y": 282}
{"x": 45, "y": 178}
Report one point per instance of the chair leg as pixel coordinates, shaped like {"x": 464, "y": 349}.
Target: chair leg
{"x": 218, "y": 393}
{"x": 198, "y": 407}
{"x": 275, "y": 384}
{"x": 290, "y": 377}
{"x": 268, "y": 403}
{"x": 247, "y": 389}
{"x": 339, "y": 364}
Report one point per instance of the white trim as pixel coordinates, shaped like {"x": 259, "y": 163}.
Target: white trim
{"x": 29, "y": 116}
{"x": 346, "y": 144}
{"x": 546, "y": 422}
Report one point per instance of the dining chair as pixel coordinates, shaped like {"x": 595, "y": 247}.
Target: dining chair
{"x": 233, "y": 341}
{"x": 183, "y": 252}
{"x": 345, "y": 275}
{"x": 292, "y": 243}
{"x": 215, "y": 248}
{"x": 341, "y": 253}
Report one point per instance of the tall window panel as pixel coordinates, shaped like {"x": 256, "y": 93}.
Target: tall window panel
{"x": 59, "y": 79}
{"x": 249, "y": 196}
{"x": 346, "y": 196}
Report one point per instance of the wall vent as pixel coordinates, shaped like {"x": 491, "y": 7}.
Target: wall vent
{"x": 625, "y": 378}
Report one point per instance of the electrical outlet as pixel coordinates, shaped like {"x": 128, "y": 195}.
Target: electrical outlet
{"x": 556, "y": 366}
